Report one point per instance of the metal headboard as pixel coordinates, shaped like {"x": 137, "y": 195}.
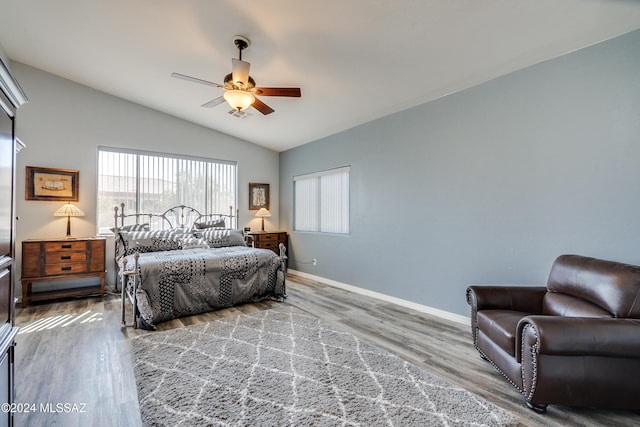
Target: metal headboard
{"x": 180, "y": 216}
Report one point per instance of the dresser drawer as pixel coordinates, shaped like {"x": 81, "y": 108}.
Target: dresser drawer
{"x": 267, "y": 238}
{"x": 65, "y": 257}
{"x": 65, "y": 246}
{"x": 267, "y": 245}
{"x": 67, "y": 268}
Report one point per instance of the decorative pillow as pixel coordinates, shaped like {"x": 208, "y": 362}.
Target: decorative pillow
{"x": 132, "y": 227}
{"x": 149, "y": 241}
{"x": 220, "y": 223}
{"x": 193, "y": 242}
{"x": 221, "y": 237}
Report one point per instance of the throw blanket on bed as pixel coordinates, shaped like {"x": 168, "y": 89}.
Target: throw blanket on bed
{"x": 185, "y": 282}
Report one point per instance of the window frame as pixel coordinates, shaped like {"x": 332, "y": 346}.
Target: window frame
{"x": 345, "y": 194}
{"x": 137, "y": 209}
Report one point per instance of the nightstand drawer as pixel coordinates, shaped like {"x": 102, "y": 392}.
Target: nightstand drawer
{"x": 65, "y": 257}
{"x": 266, "y": 238}
{"x": 65, "y": 246}
{"x": 68, "y": 268}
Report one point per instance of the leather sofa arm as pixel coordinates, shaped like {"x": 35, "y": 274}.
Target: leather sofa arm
{"x": 579, "y": 336}
{"x": 516, "y": 298}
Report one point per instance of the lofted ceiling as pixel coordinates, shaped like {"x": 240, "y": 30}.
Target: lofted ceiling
{"x": 355, "y": 60}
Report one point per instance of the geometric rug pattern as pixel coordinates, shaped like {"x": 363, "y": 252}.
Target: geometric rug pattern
{"x": 285, "y": 367}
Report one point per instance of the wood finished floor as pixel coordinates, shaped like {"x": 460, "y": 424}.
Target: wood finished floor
{"x": 86, "y": 358}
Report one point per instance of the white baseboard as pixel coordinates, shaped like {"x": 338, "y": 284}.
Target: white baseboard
{"x": 409, "y": 304}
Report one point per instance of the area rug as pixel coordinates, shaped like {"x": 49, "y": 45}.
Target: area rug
{"x": 285, "y": 367}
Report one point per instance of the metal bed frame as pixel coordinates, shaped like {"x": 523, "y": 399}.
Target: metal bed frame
{"x": 180, "y": 216}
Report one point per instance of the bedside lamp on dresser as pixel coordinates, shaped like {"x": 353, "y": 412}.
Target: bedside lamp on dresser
{"x": 69, "y": 210}
{"x": 262, "y": 214}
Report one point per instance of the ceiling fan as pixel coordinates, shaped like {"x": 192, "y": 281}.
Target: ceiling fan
{"x": 240, "y": 88}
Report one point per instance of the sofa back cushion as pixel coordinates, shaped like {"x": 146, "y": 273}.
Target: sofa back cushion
{"x": 590, "y": 287}
{"x": 556, "y": 304}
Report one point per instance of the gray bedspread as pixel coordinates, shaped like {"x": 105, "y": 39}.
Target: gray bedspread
{"x": 185, "y": 282}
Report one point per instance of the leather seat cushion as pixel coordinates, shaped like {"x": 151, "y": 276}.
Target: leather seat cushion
{"x": 500, "y": 327}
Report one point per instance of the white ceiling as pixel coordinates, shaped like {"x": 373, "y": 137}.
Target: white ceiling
{"x": 355, "y": 60}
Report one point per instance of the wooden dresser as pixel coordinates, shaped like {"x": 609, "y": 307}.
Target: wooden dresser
{"x": 269, "y": 239}
{"x": 45, "y": 260}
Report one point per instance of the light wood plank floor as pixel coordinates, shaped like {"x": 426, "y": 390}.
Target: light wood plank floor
{"x": 85, "y": 358}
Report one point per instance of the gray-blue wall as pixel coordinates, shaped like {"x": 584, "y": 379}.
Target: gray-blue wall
{"x": 487, "y": 185}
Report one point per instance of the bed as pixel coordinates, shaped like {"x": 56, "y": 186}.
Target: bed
{"x": 180, "y": 263}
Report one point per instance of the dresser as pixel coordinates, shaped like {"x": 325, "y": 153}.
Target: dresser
{"x": 46, "y": 260}
{"x": 269, "y": 239}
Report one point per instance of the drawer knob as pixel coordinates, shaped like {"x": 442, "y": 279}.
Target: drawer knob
{"x": 65, "y": 257}
{"x": 65, "y": 268}
{"x": 66, "y": 246}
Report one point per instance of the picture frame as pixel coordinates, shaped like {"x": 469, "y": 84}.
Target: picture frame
{"x": 258, "y": 196}
{"x": 52, "y": 184}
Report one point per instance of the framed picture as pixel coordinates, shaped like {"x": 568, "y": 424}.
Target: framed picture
{"x": 258, "y": 196}
{"x": 52, "y": 184}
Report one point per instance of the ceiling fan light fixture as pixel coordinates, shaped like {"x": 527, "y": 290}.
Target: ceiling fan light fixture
{"x": 239, "y": 99}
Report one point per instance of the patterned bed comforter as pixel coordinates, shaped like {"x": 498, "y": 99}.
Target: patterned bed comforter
{"x": 185, "y": 282}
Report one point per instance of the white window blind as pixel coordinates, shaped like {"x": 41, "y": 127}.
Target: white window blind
{"x": 153, "y": 182}
{"x": 321, "y": 201}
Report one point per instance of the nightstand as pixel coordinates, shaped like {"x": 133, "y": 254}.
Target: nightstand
{"x": 45, "y": 260}
{"x": 269, "y": 239}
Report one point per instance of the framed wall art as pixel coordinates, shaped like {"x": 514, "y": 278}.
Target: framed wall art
{"x": 52, "y": 184}
{"x": 258, "y": 196}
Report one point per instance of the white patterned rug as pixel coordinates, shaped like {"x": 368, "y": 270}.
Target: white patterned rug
{"x": 285, "y": 367}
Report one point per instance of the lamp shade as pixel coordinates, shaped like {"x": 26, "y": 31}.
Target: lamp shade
{"x": 239, "y": 99}
{"x": 263, "y": 213}
{"x": 68, "y": 209}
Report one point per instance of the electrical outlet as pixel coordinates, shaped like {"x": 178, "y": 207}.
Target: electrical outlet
{"x": 315, "y": 261}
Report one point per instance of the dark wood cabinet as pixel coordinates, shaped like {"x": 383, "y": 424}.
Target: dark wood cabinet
{"x": 11, "y": 98}
{"x": 269, "y": 239}
{"x": 46, "y": 260}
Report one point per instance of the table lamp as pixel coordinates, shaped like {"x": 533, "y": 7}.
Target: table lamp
{"x": 68, "y": 210}
{"x": 263, "y": 213}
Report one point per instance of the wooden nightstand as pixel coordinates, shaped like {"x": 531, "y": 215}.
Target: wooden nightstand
{"x": 269, "y": 239}
{"x": 45, "y": 260}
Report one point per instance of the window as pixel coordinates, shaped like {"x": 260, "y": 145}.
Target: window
{"x": 321, "y": 201}
{"x": 153, "y": 182}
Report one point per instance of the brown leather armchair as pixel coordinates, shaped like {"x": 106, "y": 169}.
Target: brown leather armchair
{"x": 575, "y": 342}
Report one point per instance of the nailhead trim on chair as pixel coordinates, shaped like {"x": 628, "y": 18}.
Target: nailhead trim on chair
{"x": 534, "y": 360}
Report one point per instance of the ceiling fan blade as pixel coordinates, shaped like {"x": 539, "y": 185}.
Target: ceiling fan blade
{"x": 195, "y": 80}
{"x": 219, "y": 100}
{"x": 240, "y": 72}
{"x": 262, "y": 107}
{"x": 279, "y": 91}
